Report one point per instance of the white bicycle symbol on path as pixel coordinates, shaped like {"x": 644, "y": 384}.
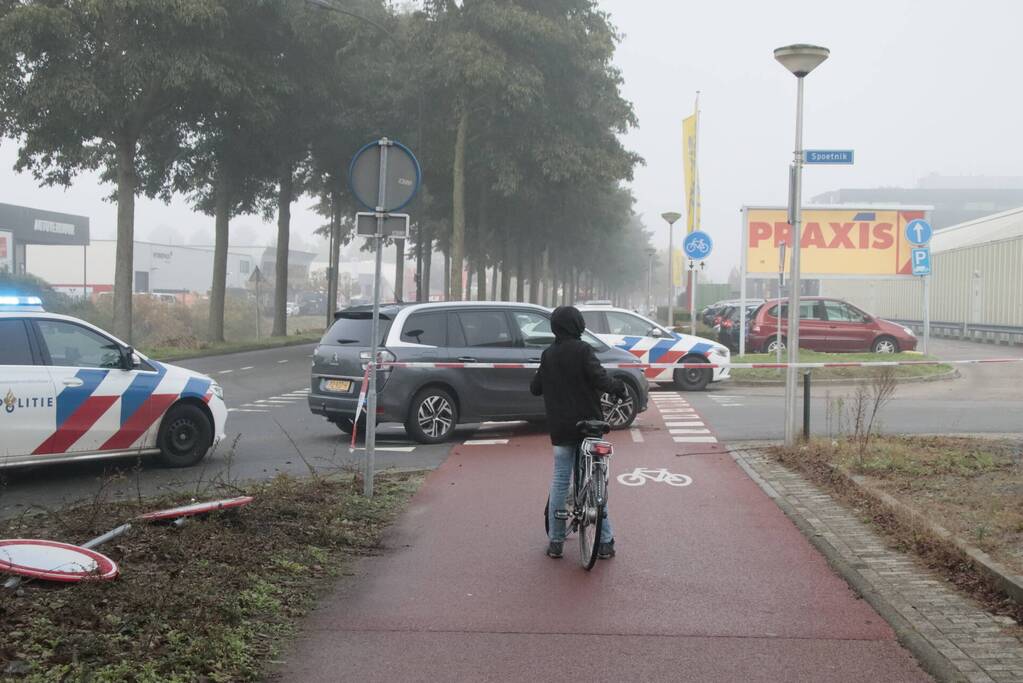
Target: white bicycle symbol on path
{"x": 698, "y": 247}
{"x": 640, "y": 476}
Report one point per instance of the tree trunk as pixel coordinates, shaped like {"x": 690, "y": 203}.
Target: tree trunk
{"x": 399, "y": 270}
{"x": 447, "y": 277}
{"x": 124, "y": 270}
{"x": 493, "y": 283}
{"x": 534, "y": 284}
{"x": 424, "y": 279}
{"x": 285, "y": 195}
{"x": 506, "y": 269}
{"x": 458, "y": 208}
{"x": 520, "y": 273}
{"x": 468, "y": 283}
{"x": 222, "y": 219}
{"x": 481, "y": 280}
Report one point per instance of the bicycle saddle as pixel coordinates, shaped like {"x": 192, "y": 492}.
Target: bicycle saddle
{"x": 594, "y": 428}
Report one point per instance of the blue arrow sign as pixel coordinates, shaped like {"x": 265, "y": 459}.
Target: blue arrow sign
{"x": 918, "y": 232}
{"x": 921, "y": 260}
{"x": 697, "y": 245}
{"x": 828, "y": 156}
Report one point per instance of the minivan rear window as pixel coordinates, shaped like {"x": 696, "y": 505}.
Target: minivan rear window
{"x": 353, "y": 328}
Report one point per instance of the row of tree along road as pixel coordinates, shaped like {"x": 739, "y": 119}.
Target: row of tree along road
{"x": 243, "y": 106}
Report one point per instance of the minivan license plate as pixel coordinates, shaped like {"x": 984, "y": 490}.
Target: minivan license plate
{"x": 340, "y": 386}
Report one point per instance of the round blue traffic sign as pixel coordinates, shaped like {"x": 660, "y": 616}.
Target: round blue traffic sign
{"x": 400, "y": 181}
{"x": 697, "y": 245}
{"x": 918, "y": 232}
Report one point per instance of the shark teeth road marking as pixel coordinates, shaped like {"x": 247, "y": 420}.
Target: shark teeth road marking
{"x": 694, "y": 439}
{"x": 689, "y": 431}
{"x": 684, "y": 424}
{"x": 486, "y": 442}
{"x": 636, "y": 435}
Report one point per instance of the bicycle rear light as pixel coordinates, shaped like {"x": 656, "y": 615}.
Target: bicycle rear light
{"x": 600, "y": 448}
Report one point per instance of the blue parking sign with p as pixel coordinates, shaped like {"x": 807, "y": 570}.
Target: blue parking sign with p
{"x": 921, "y": 260}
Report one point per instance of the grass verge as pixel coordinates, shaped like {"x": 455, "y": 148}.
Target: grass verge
{"x": 202, "y": 348}
{"x": 970, "y": 487}
{"x": 901, "y": 372}
{"x": 213, "y": 600}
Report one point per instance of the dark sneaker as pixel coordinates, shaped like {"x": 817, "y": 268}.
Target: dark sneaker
{"x": 554, "y": 549}
{"x": 605, "y": 551}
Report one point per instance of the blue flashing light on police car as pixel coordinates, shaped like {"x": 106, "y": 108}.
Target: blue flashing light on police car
{"x": 11, "y": 304}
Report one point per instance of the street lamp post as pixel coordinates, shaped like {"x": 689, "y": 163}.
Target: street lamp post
{"x": 650, "y": 253}
{"x": 800, "y": 60}
{"x": 671, "y": 217}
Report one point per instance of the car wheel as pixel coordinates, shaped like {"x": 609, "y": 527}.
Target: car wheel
{"x": 432, "y": 416}
{"x": 774, "y": 345}
{"x": 185, "y": 436}
{"x": 885, "y": 345}
{"x": 693, "y": 379}
{"x": 345, "y": 424}
{"x": 620, "y": 415}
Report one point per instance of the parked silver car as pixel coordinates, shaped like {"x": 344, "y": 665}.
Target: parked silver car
{"x": 431, "y": 402}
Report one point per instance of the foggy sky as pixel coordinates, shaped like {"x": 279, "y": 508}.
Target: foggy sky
{"x": 913, "y": 86}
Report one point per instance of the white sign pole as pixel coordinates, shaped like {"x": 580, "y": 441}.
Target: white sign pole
{"x": 371, "y": 405}
{"x": 927, "y": 313}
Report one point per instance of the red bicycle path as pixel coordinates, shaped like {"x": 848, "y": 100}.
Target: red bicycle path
{"x": 711, "y": 583}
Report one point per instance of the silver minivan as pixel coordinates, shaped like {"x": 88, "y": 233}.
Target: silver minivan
{"x": 431, "y": 402}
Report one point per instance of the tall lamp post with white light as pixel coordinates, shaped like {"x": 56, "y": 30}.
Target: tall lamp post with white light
{"x": 650, "y": 253}
{"x": 800, "y": 60}
{"x": 671, "y": 217}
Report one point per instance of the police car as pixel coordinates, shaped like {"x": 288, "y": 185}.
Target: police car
{"x": 70, "y": 391}
{"x": 652, "y": 343}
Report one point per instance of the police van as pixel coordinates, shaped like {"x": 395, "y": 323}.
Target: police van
{"x": 70, "y": 391}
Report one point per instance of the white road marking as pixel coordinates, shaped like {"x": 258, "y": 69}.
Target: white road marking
{"x": 225, "y": 372}
{"x": 391, "y": 449}
{"x": 283, "y": 361}
{"x": 694, "y": 439}
{"x": 695, "y": 423}
{"x": 248, "y": 367}
{"x": 689, "y": 431}
{"x": 486, "y": 442}
{"x": 246, "y": 410}
{"x": 637, "y": 436}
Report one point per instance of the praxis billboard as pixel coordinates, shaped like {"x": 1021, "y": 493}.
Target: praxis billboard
{"x": 835, "y": 242}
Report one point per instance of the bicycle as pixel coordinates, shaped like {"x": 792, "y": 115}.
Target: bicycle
{"x": 588, "y": 494}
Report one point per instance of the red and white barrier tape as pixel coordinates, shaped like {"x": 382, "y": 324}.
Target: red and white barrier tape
{"x": 704, "y": 366}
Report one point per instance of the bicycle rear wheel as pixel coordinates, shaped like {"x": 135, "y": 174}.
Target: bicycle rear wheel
{"x": 589, "y": 529}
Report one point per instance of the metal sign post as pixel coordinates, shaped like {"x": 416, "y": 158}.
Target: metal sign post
{"x": 918, "y": 233}
{"x": 384, "y": 183}
{"x": 697, "y": 247}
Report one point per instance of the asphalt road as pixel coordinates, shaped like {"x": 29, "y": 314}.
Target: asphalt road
{"x": 270, "y": 429}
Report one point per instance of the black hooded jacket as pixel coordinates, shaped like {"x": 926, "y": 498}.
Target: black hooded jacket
{"x": 570, "y": 378}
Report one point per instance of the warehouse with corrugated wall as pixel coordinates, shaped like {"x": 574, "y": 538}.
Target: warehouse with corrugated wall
{"x": 976, "y": 281}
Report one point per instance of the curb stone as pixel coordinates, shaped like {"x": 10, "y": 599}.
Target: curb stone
{"x": 951, "y": 636}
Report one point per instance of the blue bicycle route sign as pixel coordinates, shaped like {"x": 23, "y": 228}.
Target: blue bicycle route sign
{"x": 918, "y": 232}
{"x": 697, "y": 245}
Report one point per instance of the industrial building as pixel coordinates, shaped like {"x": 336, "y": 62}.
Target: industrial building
{"x": 976, "y": 288}
{"x": 158, "y": 268}
{"x": 21, "y": 227}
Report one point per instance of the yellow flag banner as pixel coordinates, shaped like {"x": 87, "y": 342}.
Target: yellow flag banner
{"x": 692, "y": 184}
{"x": 678, "y": 267}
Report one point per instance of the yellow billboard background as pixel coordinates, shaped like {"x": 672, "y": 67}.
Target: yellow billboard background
{"x": 842, "y": 242}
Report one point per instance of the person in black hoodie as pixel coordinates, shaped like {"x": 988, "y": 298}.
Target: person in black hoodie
{"x": 571, "y": 381}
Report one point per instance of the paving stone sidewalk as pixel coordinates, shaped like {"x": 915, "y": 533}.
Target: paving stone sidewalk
{"x": 964, "y": 640}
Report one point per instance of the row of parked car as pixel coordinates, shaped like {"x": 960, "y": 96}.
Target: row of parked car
{"x": 825, "y": 324}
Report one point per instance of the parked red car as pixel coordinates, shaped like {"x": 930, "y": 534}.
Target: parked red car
{"x": 828, "y": 325}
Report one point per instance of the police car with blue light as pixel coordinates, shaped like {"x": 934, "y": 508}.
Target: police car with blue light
{"x": 649, "y": 342}
{"x": 70, "y": 391}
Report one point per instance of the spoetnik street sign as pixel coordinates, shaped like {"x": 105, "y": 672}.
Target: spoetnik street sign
{"x": 918, "y": 232}
{"x": 396, "y": 225}
{"x": 400, "y": 179}
{"x": 921, "y": 260}
{"x": 828, "y": 156}
{"x": 697, "y": 245}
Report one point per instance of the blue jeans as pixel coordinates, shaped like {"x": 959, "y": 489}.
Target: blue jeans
{"x": 564, "y": 463}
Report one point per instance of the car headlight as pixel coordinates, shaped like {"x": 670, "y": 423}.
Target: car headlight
{"x": 908, "y": 331}
{"x": 217, "y": 390}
